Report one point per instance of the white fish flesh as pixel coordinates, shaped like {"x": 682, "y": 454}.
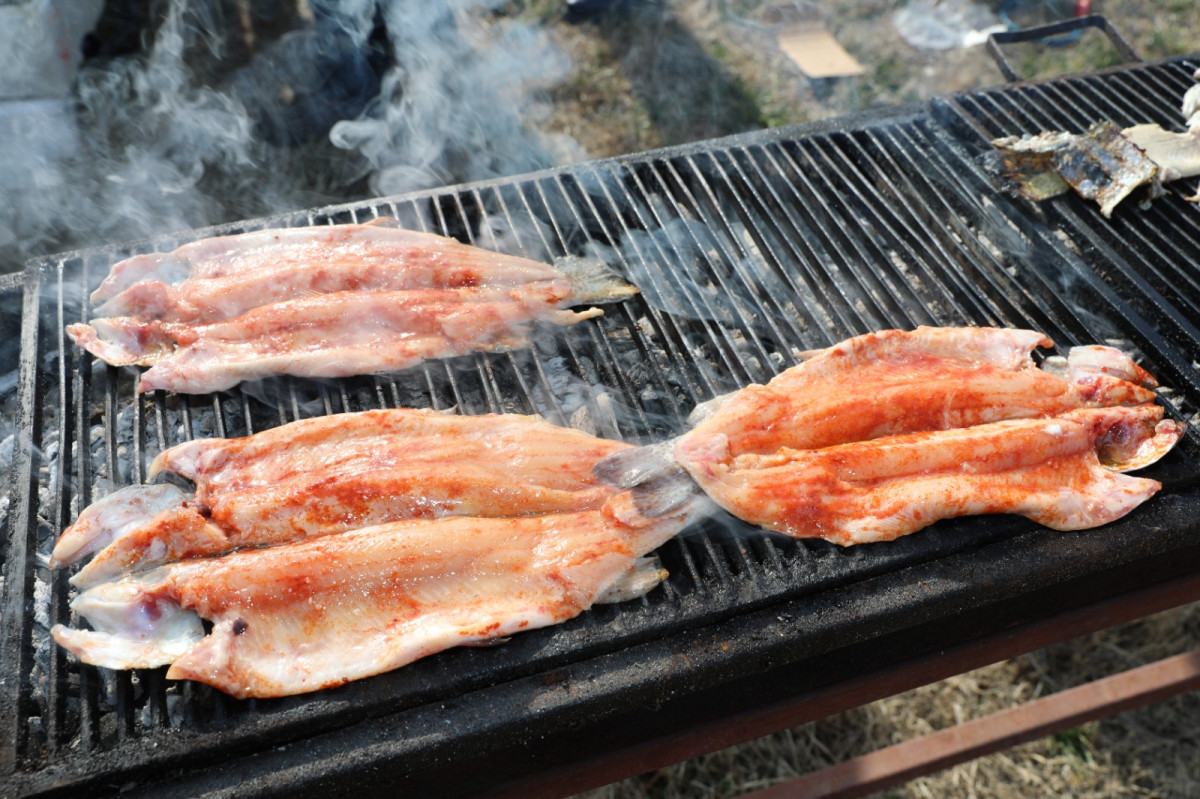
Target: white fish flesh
{"x": 316, "y": 614}
{"x": 327, "y": 301}
{"x": 332, "y": 473}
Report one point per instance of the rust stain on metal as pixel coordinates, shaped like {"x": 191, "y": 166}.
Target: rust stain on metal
{"x": 1002, "y": 730}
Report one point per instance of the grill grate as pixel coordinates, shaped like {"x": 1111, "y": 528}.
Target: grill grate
{"x": 747, "y": 250}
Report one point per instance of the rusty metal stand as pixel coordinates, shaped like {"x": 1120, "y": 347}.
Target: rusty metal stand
{"x": 898, "y": 764}
{"x": 812, "y": 705}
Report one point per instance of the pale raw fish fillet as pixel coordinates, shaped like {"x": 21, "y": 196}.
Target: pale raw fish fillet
{"x": 316, "y": 614}
{"x": 1047, "y": 469}
{"x": 892, "y": 381}
{"x": 327, "y": 301}
{"x": 332, "y": 473}
{"x": 328, "y": 335}
{"x": 225, "y": 276}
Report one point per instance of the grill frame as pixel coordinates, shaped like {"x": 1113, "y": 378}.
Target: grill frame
{"x": 873, "y": 607}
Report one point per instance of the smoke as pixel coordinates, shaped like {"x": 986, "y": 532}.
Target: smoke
{"x": 197, "y": 128}
{"x": 452, "y": 108}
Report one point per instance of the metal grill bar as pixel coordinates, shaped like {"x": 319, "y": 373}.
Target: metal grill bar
{"x": 747, "y": 251}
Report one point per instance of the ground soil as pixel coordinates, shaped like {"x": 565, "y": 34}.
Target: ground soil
{"x": 653, "y": 74}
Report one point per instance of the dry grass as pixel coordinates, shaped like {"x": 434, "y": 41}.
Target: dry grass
{"x": 672, "y": 72}
{"x": 1150, "y": 752}
{"x": 664, "y": 73}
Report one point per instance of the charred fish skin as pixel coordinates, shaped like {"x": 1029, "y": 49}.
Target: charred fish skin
{"x": 317, "y": 614}
{"x": 1104, "y": 164}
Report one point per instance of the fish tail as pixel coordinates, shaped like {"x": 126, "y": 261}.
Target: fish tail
{"x": 593, "y": 280}
{"x": 643, "y": 576}
{"x": 631, "y": 467}
{"x": 669, "y": 493}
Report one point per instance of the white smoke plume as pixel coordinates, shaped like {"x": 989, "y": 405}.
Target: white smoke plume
{"x": 452, "y": 108}
{"x": 150, "y": 143}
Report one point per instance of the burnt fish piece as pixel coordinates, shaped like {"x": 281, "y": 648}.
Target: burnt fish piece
{"x": 1105, "y": 164}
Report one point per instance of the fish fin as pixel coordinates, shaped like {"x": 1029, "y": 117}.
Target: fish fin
{"x": 1101, "y": 360}
{"x": 172, "y": 535}
{"x": 111, "y": 517}
{"x": 593, "y": 280}
{"x": 123, "y": 340}
{"x": 167, "y": 267}
{"x": 136, "y": 624}
{"x": 665, "y": 494}
{"x": 182, "y": 459}
{"x": 629, "y": 467}
{"x": 149, "y": 299}
{"x": 643, "y": 576}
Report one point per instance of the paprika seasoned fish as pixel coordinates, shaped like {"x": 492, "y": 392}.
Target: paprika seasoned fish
{"x": 1063, "y": 472}
{"x": 332, "y": 473}
{"x": 897, "y": 401}
{"x": 320, "y": 613}
{"x": 895, "y": 381}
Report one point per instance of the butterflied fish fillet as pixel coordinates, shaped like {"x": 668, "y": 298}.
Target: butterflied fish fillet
{"x": 328, "y": 335}
{"x": 333, "y": 473}
{"x": 311, "y": 615}
{"x": 225, "y": 276}
{"x": 889, "y": 382}
{"x": 327, "y": 301}
{"x": 1047, "y": 469}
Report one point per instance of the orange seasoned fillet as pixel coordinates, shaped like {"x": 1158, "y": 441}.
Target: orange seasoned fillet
{"x": 333, "y": 473}
{"x": 1059, "y": 471}
{"x": 316, "y": 614}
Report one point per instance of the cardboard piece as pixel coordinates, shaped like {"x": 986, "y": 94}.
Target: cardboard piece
{"x": 817, "y": 53}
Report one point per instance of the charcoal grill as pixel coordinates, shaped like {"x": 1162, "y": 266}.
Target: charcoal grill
{"x": 749, "y": 250}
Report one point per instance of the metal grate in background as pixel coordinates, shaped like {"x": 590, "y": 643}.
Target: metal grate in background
{"x": 748, "y": 251}
{"x": 1148, "y": 255}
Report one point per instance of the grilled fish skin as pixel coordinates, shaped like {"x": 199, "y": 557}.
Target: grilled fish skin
{"x": 327, "y": 301}
{"x": 1104, "y": 164}
{"x": 316, "y": 614}
{"x": 332, "y": 473}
